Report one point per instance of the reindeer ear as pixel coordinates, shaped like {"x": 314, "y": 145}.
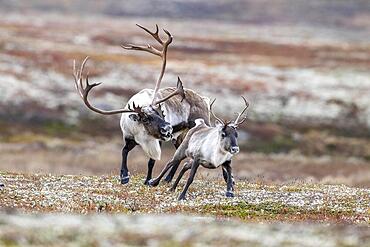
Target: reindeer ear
{"x": 218, "y": 123}
{"x": 134, "y": 117}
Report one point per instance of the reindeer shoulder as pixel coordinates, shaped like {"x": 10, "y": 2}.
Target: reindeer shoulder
{"x": 199, "y": 122}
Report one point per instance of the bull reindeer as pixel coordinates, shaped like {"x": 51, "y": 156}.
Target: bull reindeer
{"x": 210, "y": 147}
{"x": 147, "y": 120}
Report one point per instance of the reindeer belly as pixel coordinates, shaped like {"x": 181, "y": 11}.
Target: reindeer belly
{"x": 208, "y": 165}
{"x": 218, "y": 159}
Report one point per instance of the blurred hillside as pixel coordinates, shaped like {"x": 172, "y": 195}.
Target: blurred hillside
{"x": 327, "y": 13}
{"x": 296, "y": 61}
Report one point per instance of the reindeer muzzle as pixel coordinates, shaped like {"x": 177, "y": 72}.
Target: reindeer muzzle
{"x": 234, "y": 150}
{"x": 166, "y": 132}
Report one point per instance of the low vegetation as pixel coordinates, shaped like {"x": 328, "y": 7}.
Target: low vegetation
{"x": 168, "y": 230}
{"x": 253, "y": 202}
{"x": 97, "y": 211}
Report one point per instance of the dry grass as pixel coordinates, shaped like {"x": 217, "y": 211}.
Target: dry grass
{"x": 253, "y": 202}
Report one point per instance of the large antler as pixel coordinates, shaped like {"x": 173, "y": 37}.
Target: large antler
{"x": 161, "y": 53}
{"x": 83, "y": 91}
{"x": 179, "y": 91}
{"x": 237, "y": 122}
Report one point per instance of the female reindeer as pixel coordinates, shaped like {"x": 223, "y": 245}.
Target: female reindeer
{"x": 209, "y": 147}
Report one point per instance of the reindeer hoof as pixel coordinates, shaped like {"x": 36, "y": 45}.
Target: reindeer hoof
{"x": 2, "y": 185}
{"x": 146, "y": 182}
{"x": 125, "y": 180}
{"x": 171, "y": 189}
{"x": 153, "y": 182}
{"x": 168, "y": 179}
{"x": 229, "y": 194}
{"x": 182, "y": 198}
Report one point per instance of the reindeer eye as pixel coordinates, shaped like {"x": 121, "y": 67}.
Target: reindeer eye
{"x": 223, "y": 134}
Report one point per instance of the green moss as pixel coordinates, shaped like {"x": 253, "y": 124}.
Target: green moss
{"x": 244, "y": 210}
{"x": 271, "y": 211}
{"x": 58, "y": 128}
{"x": 278, "y": 144}
{"x": 7, "y": 242}
{"x": 171, "y": 243}
{"x": 367, "y": 157}
{"x": 292, "y": 189}
{"x": 36, "y": 132}
{"x": 331, "y": 147}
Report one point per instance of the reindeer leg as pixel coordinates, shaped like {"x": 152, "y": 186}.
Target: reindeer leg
{"x": 230, "y": 185}
{"x": 154, "y": 182}
{"x": 194, "y": 168}
{"x": 125, "y": 175}
{"x": 151, "y": 163}
{"x": 177, "y": 158}
{"x": 180, "y": 127}
{"x": 224, "y": 174}
{"x": 1, "y": 184}
{"x": 185, "y": 168}
{"x": 173, "y": 170}
{"x": 149, "y": 174}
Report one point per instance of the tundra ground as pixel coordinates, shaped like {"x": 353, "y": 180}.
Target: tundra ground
{"x": 295, "y": 213}
{"x": 253, "y": 202}
{"x": 170, "y": 230}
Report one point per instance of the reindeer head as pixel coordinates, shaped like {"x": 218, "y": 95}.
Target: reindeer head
{"x": 153, "y": 122}
{"x": 228, "y": 134}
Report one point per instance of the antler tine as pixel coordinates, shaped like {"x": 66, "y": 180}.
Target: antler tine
{"x": 161, "y": 53}
{"x": 83, "y": 91}
{"x": 148, "y": 48}
{"x": 154, "y": 34}
{"x": 179, "y": 91}
{"x": 137, "y": 109}
{"x": 169, "y": 35}
{"x": 217, "y": 118}
{"x": 81, "y": 70}
{"x": 129, "y": 106}
{"x": 237, "y": 122}
{"x": 77, "y": 74}
{"x": 180, "y": 88}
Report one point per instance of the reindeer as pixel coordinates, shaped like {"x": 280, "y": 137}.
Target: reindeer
{"x": 210, "y": 147}
{"x": 147, "y": 120}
